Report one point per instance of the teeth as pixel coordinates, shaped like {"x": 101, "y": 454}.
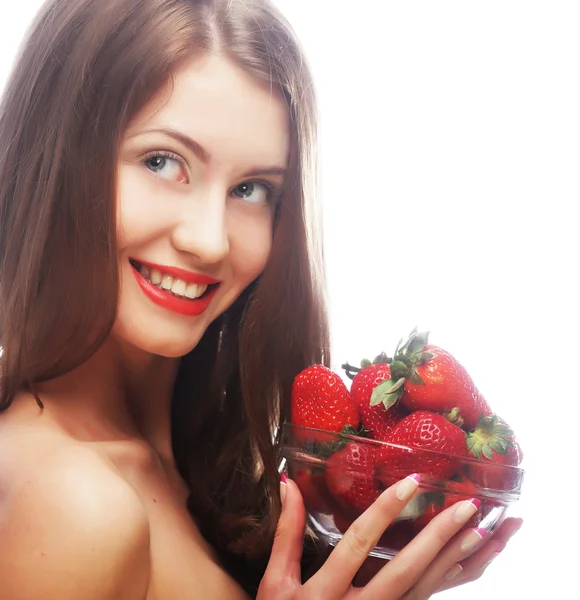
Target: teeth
{"x": 167, "y": 282}
{"x": 156, "y": 277}
{"x": 175, "y": 286}
{"x": 192, "y": 291}
{"x": 178, "y": 287}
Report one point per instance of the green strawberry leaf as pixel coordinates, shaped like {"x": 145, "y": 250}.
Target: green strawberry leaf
{"x": 414, "y": 378}
{"x": 365, "y": 362}
{"x": 387, "y": 393}
{"x": 417, "y": 342}
{"x": 424, "y": 357}
{"x": 382, "y": 358}
{"x": 487, "y": 451}
{"x": 399, "y": 370}
{"x": 499, "y": 445}
{"x": 398, "y": 348}
{"x": 327, "y": 449}
{"x": 348, "y": 430}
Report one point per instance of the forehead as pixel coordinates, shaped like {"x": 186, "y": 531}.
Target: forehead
{"x": 236, "y": 118}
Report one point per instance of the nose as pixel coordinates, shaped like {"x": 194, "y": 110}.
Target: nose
{"x": 202, "y": 229}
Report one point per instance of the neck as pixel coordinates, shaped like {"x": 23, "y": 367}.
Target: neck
{"x": 118, "y": 393}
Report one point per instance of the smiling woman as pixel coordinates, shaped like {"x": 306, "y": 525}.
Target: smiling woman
{"x": 149, "y": 315}
{"x": 161, "y": 285}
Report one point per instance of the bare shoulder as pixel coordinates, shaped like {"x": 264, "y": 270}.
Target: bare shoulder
{"x": 70, "y": 526}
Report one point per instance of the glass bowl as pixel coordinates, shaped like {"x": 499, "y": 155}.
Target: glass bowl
{"x": 336, "y": 489}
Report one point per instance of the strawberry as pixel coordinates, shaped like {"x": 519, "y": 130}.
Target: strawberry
{"x": 422, "y": 430}
{"x": 397, "y": 535}
{"x": 427, "y": 377}
{"x": 455, "y": 491}
{"x": 320, "y": 399}
{"x": 312, "y": 486}
{"x": 350, "y": 476}
{"x": 377, "y": 420}
{"x": 493, "y": 443}
{"x": 344, "y": 518}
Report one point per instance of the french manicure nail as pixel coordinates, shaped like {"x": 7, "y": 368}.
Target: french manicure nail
{"x": 407, "y": 487}
{"x": 283, "y": 486}
{"x": 472, "y": 538}
{"x": 465, "y": 509}
{"x": 453, "y": 572}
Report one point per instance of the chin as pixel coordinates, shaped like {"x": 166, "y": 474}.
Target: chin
{"x": 167, "y": 340}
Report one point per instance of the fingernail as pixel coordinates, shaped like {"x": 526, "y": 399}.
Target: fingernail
{"x": 453, "y": 572}
{"x": 472, "y": 538}
{"x": 407, "y": 487}
{"x": 283, "y": 482}
{"x": 465, "y": 509}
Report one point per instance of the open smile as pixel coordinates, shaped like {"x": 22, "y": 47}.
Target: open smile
{"x": 175, "y": 289}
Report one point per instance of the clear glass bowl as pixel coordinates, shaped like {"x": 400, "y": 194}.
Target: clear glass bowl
{"x": 328, "y": 486}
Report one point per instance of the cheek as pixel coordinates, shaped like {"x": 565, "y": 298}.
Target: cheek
{"x": 250, "y": 248}
{"x": 137, "y": 211}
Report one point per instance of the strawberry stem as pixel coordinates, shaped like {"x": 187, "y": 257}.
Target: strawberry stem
{"x": 350, "y": 370}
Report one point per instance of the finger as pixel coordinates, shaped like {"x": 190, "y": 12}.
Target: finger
{"x": 473, "y": 567}
{"x": 284, "y": 563}
{"x": 452, "y": 568}
{"x": 335, "y": 577}
{"x": 407, "y": 567}
{"x": 462, "y": 571}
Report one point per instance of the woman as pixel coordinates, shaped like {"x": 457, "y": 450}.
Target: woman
{"x": 161, "y": 284}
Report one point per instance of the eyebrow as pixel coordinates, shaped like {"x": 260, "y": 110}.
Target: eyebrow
{"x": 203, "y": 155}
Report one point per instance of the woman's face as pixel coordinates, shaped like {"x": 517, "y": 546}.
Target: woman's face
{"x": 199, "y": 173}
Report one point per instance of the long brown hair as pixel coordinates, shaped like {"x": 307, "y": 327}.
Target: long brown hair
{"x": 87, "y": 68}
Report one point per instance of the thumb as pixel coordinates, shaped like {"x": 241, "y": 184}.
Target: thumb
{"x": 284, "y": 563}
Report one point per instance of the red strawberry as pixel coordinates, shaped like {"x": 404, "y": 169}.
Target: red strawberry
{"x": 344, "y": 518}
{"x": 493, "y": 443}
{"x": 421, "y": 430}
{"x": 426, "y": 377}
{"x": 397, "y": 535}
{"x": 350, "y": 476}
{"x": 455, "y": 491}
{"x": 320, "y": 399}
{"x": 312, "y": 486}
{"x": 377, "y": 420}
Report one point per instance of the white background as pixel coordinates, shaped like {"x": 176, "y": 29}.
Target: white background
{"x": 450, "y": 176}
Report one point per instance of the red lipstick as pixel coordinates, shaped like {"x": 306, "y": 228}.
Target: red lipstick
{"x": 169, "y": 301}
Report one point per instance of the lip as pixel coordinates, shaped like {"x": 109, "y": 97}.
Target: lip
{"x": 164, "y": 299}
{"x": 177, "y": 273}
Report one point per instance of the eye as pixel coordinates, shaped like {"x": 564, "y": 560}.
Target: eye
{"x": 254, "y": 192}
{"x": 166, "y": 165}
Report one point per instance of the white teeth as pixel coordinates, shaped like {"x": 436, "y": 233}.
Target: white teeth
{"x": 167, "y": 282}
{"x": 192, "y": 291}
{"x": 156, "y": 277}
{"x": 178, "y": 287}
{"x": 175, "y": 286}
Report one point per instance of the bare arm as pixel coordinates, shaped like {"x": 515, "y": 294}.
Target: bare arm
{"x": 71, "y": 529}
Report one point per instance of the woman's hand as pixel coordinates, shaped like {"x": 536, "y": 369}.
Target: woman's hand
{"x": 467, "y": 571}
{"x": 415, "y": 573}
